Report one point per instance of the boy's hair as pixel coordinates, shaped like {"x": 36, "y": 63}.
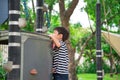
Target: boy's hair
{"x": 63, "y": 31}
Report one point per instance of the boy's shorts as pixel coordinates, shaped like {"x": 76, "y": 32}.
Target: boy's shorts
{"x": 57, "y": 76}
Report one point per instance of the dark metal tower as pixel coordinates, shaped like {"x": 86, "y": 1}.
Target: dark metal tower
{"x": 14, "y": 41}
{"x": 98, "y": 42}
{"x": 39, "y": 14}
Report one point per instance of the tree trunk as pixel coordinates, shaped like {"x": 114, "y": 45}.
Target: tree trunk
{"x": 72, "y": 66}
{"x": 65, "y": 17}
{"x": 111, "y": 66}
{"x": 71, "y": 52}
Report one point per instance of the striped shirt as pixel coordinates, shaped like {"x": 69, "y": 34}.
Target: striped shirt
{"x": 60, "y": 59}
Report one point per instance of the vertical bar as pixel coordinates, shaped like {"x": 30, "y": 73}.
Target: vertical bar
{"x": 98, "y": 42}
{"x": 14, "y": 41}
{"x": 39, "y": 9}
{"x": 25, "y": 9}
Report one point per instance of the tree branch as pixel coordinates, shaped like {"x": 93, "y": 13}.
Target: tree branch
{"x": 110, "y": 18}
{"x": 70, "y": 10}
{"x": 83, "y": 47}
{"x": 62, "y": 7}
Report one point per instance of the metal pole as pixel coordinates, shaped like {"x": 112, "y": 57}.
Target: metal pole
{"x": 39, "y": 9}
{"x": 98, "y": 42}
{"x": 14, "y": 41}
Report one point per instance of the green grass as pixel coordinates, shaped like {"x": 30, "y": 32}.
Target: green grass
{"x": 87, "y": 76}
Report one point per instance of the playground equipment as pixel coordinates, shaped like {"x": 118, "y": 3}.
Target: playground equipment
{"x": 36, "y": 55}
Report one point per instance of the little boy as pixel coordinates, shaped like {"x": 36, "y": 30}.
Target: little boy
{"x": 60, "y": 56}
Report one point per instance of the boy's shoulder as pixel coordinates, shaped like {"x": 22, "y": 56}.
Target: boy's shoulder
{"x": 63, "y": 44}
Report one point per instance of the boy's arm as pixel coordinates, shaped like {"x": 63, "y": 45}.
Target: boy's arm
{"x": 55, "y": 40}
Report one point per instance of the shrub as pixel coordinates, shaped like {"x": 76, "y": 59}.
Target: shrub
{"x": 90, "y": 67}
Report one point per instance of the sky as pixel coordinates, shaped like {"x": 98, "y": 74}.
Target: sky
{"x": 79, "y": 16}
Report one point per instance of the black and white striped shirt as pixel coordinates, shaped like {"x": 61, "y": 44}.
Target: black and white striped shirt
{"x": 60, "y": 59}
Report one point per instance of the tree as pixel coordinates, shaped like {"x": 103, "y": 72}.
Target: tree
{"x": 109, "y": 16}
{"x": 109, "y": 11}
{"x": 65, "y": 14}
{"x": 66, "y": 11}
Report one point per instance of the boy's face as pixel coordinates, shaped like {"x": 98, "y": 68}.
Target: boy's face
{"x": 57, "y": 35}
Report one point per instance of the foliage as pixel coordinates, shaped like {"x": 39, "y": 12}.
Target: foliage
{"x": 0, "y": 58}
{"x": 29, "y": 15}
{"x": 109, "y": 10}
{"x": 2, "y": 71}
{"x": 118, "y": 68}
{"x": 54, "y": 22}
{"x": 90, "y": 67}
{"x": 50, "y": 3}
{"x": 86, "y": 68}
{"x": 4, "y": 26}
{"x": 78, "y": 34}
{"x": 90, "y": 59}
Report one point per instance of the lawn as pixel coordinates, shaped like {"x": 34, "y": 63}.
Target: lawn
{"x": 87, "y": 76}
